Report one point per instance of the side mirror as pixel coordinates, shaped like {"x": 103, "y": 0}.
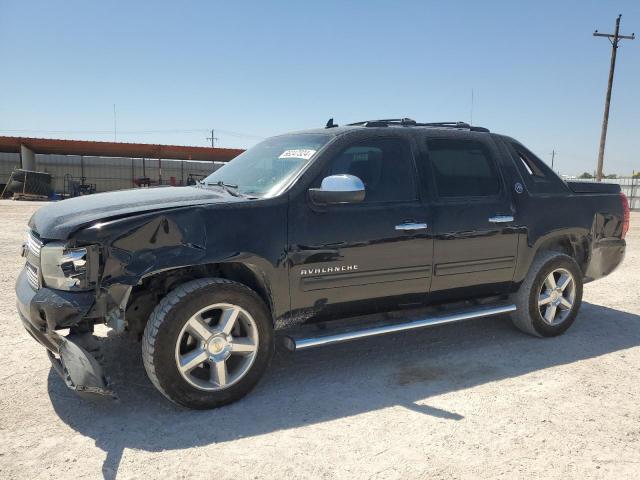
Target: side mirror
{"x": 341, "y": 188}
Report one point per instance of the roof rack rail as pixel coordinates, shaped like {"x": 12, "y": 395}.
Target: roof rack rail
{"x": 385, "y": 122}
{"x": 408, "y": 122}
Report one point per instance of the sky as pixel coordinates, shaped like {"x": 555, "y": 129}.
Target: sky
{"x": 249, "y": 70}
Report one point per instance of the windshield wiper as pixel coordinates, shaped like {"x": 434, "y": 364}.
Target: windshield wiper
{"x": 227, "y": 187}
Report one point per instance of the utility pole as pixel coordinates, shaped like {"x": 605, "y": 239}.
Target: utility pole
{"x": 213, "y": 138}
{"x": 471, "y": 122}
{"x": 614, "y": 39}
{"x": 553, "y": 157}
{"x": 115, "y": 135}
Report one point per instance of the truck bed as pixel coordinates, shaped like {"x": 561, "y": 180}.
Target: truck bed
{"x": 593, "y": 187}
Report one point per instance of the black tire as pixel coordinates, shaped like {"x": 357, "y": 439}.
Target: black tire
{"x": 167, "y": 321}
{"x": 15, "y": 186}
{"x": 528, "y": 316}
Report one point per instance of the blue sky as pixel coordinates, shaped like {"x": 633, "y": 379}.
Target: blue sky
{"x": 254, "y": 69}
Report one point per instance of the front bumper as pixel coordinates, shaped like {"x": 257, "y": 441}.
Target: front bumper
{"x": 44, "y": 310}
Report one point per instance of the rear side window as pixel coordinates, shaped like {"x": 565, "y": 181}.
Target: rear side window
{"x": 385, "y": 166}
{"x": 463, "y": 168}
{"x": 538, "y": 177}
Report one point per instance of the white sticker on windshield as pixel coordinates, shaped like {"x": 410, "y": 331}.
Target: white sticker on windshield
{"x": 302, "y": 153}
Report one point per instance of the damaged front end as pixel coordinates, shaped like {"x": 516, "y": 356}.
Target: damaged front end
{"x": 44, "y": 310}
{"x": 89, "y": 278}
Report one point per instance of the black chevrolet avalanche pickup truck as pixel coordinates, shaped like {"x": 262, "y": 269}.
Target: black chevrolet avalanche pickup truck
{"x": 314, "y": 238}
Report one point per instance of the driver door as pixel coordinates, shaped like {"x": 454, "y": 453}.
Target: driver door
{"x": 354, "y": 258}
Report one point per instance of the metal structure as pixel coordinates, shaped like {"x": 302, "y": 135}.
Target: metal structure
{"x": 70, "y": 172}
{"x": 80, "y": 167}
{"x": 116, "y": 149}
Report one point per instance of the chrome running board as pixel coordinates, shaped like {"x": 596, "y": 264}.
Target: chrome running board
{"x": 294, "y": 344}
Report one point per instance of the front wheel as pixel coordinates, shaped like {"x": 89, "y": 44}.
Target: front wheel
{"x": 207, "y": 343}
{"x": 550, "y": 296}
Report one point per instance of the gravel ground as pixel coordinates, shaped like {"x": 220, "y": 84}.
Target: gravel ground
{"x": 477, "y": 399}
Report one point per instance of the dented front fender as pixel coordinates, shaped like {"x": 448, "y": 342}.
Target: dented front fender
{"x": 249, "y": 233}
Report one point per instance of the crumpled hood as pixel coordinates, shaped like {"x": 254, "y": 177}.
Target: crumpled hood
{"x": 58, "y": 220}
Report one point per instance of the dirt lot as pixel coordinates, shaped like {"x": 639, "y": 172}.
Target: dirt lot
{"x": 472, "y": 400}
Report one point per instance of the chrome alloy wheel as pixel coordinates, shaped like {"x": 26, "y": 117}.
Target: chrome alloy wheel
{"x": 556, "y": 296}
{"x": 217, "y": 346}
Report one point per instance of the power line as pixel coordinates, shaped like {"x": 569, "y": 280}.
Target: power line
{"x": 614, "y": 38}
{"x": 238, "y": 134}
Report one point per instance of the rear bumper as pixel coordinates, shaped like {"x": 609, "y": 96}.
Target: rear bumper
{"x": 41, "y": 312}
{"x": 606, "y": 256}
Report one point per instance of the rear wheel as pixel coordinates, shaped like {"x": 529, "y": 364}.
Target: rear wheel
{"x": 549, "y": 298}
{"x": 207, "y": 343}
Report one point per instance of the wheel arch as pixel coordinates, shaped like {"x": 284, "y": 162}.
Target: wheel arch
{"x": 156, "y": 285}
{"x": 573, "y": 242}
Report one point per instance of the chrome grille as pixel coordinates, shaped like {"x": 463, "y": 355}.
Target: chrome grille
{"x": 33, "y": 244}
{"x": 32, "y": 275}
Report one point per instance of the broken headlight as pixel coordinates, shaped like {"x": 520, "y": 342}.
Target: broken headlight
{"x": 68, "y": 268}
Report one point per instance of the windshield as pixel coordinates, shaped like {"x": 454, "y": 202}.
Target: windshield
{"x": 263, "y": 170}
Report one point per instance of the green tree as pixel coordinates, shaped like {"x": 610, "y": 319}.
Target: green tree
{"x": 586, "y": 175}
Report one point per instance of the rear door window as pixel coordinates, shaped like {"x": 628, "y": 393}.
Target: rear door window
{"x": 463, "y": 168}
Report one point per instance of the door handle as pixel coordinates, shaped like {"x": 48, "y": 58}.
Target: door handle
{"x": 501, "y": 219}
{"x": 411, "y": 226}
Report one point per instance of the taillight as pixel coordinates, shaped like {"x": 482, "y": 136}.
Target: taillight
{"x": 626, "y": 214}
